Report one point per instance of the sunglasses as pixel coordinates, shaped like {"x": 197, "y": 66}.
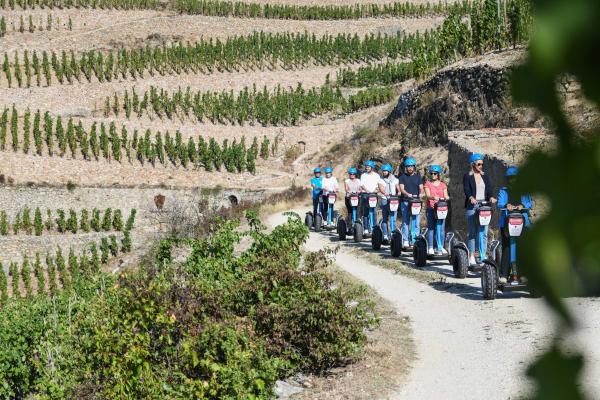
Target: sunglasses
{"x": 434, "y": 173}
{"x": 479, "y": 164}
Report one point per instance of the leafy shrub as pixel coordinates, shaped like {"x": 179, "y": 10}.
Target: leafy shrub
{"x": 39, "y": 274}
{"x": 130, "y": 220}
{"x": 61, "y": 223}
{"x": 3, "y": 285}
{"x": 4, "y": 227}
{"x": 14, "y": 275}
{"x": 117, "y": 223}
{"x": 17, "y": 224}
{"x": 26, "y": 222}
{"x": 107, "y": 220}
{"x": 84, "y": 221}
{"x": 104, "y": 250}
{"x": 113, "y": 245}
{"x": 37, "y": 222}
{"x": 72, "y": 221}
{"x": 95, "y": 223}
{"x": 26, "y": 275}
{"x": 219, "y": 325}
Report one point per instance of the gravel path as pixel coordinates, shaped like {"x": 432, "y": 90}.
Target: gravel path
{"x": 468, "y": 348}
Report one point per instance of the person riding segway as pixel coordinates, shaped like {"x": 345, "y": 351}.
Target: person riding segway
{"x": 330, "y": 187}
{"x": 410, "y": 186}
{"x": 369, "y": 183}
{"x": 479, "y": 199}
{"x": 433, "y": 243}
{"x": 389, "y": 208}
{"x": 316, "y": 215}
{"x": 514, "y": 216}
{"x": 352, "y": 200}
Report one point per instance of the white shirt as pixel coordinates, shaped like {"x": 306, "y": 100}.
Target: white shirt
{"x": 329, "y": 184}
{"x": 369, "y": 181}
{"x": 389, "y": 185}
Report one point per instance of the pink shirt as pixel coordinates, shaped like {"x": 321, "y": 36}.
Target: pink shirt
{"x": 435, "y": 191}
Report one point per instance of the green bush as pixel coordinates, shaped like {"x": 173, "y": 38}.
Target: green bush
{"x": 220, "y": 325}
{"x": 72, "y": 221}
{"x": 37, "y": 222}
{"x": 4, "y": 226}
{"x": 107, "y": 220}
{"x": 117, "y": 223}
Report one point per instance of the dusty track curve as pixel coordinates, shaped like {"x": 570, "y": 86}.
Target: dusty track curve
{"x": 467, "y": 348}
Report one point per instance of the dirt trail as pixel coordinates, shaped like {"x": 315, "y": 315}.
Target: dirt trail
{"x": 467, "y": 348}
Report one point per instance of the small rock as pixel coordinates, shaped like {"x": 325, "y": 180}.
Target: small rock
{"x": 284, "y": 389}
{"x": 76, "y": 112}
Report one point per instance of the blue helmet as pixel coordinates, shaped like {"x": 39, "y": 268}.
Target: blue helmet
{"x": 475, "y": 157}
{"x": 435, "y": 168}
{"x": 410, "y": 162}
{"x": 512, "y": 171}
{"x": 328, "y": 170}
{"x": 317, "y": 170}
{"x": 370, "y": 163}
{"x": 352, "y": 170}
{"x": 387, "y": 167}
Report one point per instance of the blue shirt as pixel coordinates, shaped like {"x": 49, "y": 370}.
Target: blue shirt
{"x": 504, "y": 199}
{"x": 411, "y": 183}
{"x": 318, "y": 182}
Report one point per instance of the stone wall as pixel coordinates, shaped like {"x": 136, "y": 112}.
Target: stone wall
{"x": 14, "y": 198}
{"x": 501, "y": 147}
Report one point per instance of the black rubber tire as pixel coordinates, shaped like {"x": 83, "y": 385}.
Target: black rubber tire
{"x": 420, "y": 253}
{"x": 342, "y": 229}
{"x": 358, "y": 232}
{"x": 318, "y": 223}
{"x": 489, "y": 281}
{"x": 376, "y": 238}
{"x": 396, "y": 244}
{"x": 460, "y": 262}
{"x": 498, "y": 255}
{"x": 308, "y": 220}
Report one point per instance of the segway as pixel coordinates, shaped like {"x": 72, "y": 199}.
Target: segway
{"x": 490, "y": 284}
{"x": 396, "y": 247}
{"x": 460, "y": 251}
{"x": 420, "y": 255}
{"x": 377, "y": 237}
{"x": 342, "y": 226}
{"x": 332, "y": 215}
{"x": 359, "y": 230}
{"x": 315, "y": 221}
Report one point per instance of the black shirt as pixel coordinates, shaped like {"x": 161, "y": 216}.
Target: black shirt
{"x": 411, "y": 183}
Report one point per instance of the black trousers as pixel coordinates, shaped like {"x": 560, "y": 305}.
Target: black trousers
{"x": 505, "y": 258}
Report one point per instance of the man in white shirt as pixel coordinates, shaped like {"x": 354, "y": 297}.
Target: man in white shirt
{"x": 369, "y": 182}
{"x": 329, "y": 185}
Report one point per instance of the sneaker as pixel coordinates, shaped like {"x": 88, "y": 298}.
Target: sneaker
{"x": 430, "y": 251}
{"x": 503, "y": 280}
{"x": 472, "y": 260}
{"x": 366, "y": 232}
{"x": 405, "y": 243}
{"x": 444, "y": 252}
{"x": 438, "y": 253}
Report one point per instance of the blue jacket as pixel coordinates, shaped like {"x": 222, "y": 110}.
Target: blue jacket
{"x": 318, "y": 182}
{"x": 503, "y": 200}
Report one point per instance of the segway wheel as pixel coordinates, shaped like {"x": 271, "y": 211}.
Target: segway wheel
{"x": 318, "y": 223}
{"x": 358, "y": 232}
{"x": 308, "y": 220}
{"x": 489, "y": 279}
{"x": 396, "y": 244}
{"x": 420, "y": 253}
{"x": 376, "y": 238}
{"x": 342, "y": 229}
{"x": 460, "y": 262}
